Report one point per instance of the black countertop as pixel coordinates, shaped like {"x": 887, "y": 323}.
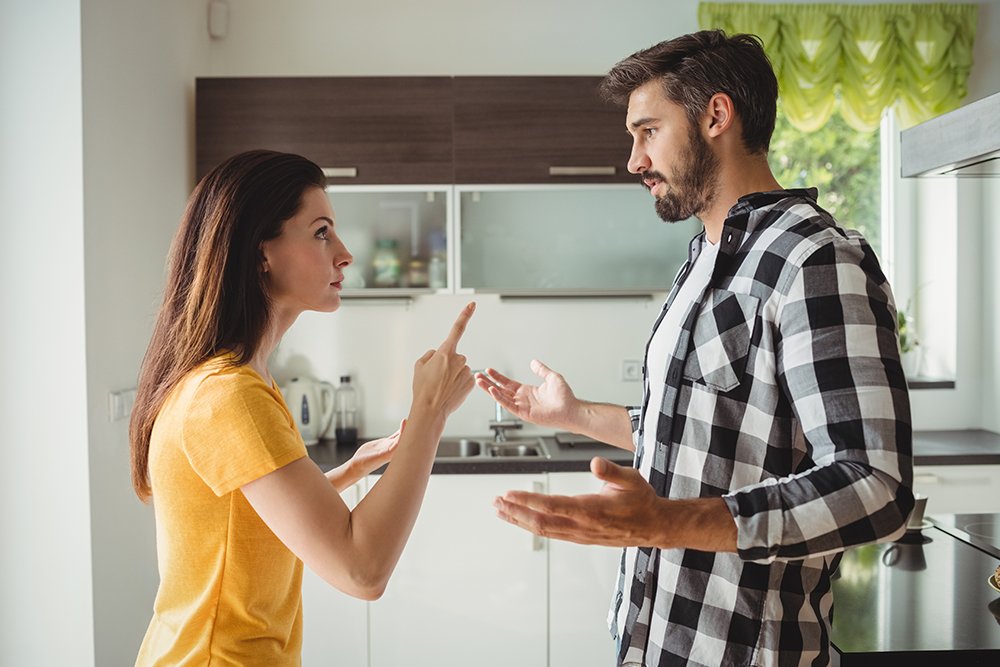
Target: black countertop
{"x": 921, "y": 601}
{"x": 573, "y": 454}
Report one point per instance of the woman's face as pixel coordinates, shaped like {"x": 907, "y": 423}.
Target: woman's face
{"x": 304, "y": 264}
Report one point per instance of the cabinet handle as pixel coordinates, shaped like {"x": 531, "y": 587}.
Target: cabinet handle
{"x": 340, "y": 172}
{"x": 537, "y": 541}
{"x": 581, "y": 171}
{"x": 926, "y": 478}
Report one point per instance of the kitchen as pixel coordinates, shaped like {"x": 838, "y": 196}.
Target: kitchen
{"x": 112, "y": 133}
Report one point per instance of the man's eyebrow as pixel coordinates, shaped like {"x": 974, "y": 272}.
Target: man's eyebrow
{"x": 642, "y": 121}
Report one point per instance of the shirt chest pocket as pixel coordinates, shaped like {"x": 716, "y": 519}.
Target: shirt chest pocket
{"x": 723, "y": 332}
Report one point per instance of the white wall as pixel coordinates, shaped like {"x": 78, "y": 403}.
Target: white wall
{"x": 45, "y": 607}
{"x": 139, "y": 64}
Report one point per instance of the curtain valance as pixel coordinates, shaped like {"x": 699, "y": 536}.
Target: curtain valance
{"x": 868, "y": 57}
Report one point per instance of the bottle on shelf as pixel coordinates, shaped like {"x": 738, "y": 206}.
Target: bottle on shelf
{"x": 437, "y": 269}
{"x": 346, "y": 399}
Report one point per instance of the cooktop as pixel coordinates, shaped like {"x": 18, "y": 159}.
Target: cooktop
{"x": 981, "y": 530}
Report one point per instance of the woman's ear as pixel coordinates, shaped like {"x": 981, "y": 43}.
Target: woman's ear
{"x": 720, "y": 114}
{"x": 262, "y": 262}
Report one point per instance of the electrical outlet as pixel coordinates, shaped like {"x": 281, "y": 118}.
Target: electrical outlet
{"x": 631, "y": 370}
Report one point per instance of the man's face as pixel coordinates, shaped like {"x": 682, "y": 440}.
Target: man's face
{"x": 672, "y": 159}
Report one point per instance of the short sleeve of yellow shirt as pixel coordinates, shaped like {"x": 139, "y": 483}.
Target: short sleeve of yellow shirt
{"x": 230, "y": 592}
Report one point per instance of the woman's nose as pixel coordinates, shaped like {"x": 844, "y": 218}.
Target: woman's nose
{"x": 343, "y": 256}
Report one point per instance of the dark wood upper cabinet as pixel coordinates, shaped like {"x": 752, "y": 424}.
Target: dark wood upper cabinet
{"x": 381, "y": 129}
{"x": 538, "y": 130}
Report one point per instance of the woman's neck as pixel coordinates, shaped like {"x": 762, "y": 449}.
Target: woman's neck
{"x": 268, "y": 343}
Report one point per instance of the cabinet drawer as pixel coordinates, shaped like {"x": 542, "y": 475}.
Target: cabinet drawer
{"x": 959, "y": 489}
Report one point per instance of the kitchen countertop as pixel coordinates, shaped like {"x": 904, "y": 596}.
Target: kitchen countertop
{"x": 969, "y": 447}
{"x": 564, "y": 458}
{"x": 921, "y": 601}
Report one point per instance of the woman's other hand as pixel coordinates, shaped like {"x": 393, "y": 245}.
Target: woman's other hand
{"x": 376, "y": 453}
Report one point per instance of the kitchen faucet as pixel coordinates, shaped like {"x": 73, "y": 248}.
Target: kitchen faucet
{"x": 500, "y": 426}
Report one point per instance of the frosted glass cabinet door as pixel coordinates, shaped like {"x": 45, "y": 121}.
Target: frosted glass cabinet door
{"x": 581, "y": 583}
{"x": 469, "y": 589}
{"x": 398, "y": 236}
{"x": 334, "y": 625}
{"x": 549, "y": 239}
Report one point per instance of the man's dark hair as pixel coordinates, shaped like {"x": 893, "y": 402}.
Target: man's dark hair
{"x": 694, "y": 67}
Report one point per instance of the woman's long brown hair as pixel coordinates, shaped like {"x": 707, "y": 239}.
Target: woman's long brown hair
{"x": 215, "y": 298}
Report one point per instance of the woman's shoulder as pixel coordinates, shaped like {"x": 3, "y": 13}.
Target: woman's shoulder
{"x": 223, "y": 379}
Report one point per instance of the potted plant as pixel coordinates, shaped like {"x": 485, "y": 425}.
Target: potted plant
{"x": 909, "y": 344}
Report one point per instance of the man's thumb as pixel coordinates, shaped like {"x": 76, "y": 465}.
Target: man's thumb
{"x": 606, "y": 471}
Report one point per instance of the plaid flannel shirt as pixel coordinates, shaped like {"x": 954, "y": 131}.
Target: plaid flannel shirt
{"x": 785, "y": 397}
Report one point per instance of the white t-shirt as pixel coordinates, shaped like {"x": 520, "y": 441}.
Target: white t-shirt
{"x": 661, "y": 346}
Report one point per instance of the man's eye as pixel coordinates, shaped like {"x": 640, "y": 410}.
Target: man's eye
{"x": 650, "y": 131}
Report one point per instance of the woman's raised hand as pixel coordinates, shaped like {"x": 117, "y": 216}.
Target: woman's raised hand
{"x": 551, "y": 403}
{"x": 441, "y": 377}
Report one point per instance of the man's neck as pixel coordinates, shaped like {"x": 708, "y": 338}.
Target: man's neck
{"x": 736, "y": 179}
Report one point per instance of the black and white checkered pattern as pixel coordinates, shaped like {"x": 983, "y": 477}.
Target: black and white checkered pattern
{"x": 785, "y": 396}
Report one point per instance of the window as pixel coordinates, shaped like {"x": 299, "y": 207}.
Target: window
{"x": 843, "y": 163}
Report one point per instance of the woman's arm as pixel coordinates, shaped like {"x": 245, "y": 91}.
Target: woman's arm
{"x": 357, "y": 551}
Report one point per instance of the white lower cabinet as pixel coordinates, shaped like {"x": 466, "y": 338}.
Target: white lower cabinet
{"x": 582, "y": 581}
{"x": 963, "y": 489}
{"x": 334, "y": 624}
{"x": 469, "y": 588}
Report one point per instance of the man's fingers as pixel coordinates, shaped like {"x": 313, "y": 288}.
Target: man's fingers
{"x": 540, "y": 502}
{"x": 458, "y": 328}
{"x": 498, "y": 378}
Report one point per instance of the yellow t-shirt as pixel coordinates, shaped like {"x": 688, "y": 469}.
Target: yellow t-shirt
{"x": 230, "y": 592}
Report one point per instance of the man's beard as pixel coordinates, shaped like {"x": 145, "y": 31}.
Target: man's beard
{"x": 693, "y": 185}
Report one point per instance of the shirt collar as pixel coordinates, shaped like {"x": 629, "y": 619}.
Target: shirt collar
{"x": 740, "y": 223}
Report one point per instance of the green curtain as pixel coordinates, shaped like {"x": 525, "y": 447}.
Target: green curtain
{"x": 916, "y": 57}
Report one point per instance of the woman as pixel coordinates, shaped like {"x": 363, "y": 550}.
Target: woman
{"x": 238, "y": 503}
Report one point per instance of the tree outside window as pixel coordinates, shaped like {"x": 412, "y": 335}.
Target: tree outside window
{"x": 843, "y": 163}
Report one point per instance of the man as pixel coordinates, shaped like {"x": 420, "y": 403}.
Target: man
{"x": 774, "y": 430}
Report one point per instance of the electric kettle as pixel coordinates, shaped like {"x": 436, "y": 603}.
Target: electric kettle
{"x": 311, "y": 404}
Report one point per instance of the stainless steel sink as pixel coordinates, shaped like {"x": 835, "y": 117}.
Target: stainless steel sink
{"x": 473, "y": 449}
{"x": 462, "y": 448}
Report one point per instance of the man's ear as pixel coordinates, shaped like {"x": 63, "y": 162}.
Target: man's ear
{"x": 719, "y": 115}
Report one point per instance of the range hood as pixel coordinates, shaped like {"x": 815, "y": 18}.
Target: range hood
{"x": 964, "y": 142}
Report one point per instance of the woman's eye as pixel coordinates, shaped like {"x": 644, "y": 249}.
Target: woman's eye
{"x": 323, "y": 233}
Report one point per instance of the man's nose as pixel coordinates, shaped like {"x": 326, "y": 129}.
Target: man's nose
{"x": 638, "y": 160}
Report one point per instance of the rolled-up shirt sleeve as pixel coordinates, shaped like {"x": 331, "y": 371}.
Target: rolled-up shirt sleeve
{"x": 837, "y": 362}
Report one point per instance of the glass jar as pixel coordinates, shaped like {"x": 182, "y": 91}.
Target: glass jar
{"x": 416, "y": 274}
{"x": 385, "y": 262}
